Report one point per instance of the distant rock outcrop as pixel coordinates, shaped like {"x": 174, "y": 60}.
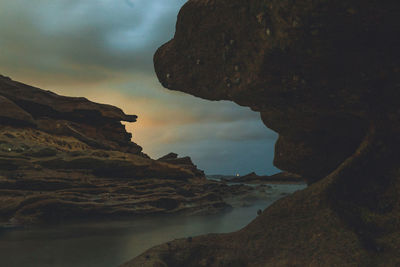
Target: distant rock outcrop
{"x": 325, "y": 76}
{"x": 185, "y": 162}
{"x": 169, "y": 156}
{"x": 282, "y": 177}
{"x": 65, "y": 158}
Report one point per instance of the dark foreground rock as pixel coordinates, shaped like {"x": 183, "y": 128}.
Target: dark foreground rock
{"x": 64, "y": 158}
{"x": 325, "y": 75}
{"x": 282, "y": 177}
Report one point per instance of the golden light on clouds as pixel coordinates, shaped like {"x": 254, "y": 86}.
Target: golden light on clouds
{"x": 82, "y": 48}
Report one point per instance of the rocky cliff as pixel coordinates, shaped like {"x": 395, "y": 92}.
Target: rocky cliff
{"x": 97, "y": 125}
{"x": 66, "y": 158}
{"x": 324, "y": 75}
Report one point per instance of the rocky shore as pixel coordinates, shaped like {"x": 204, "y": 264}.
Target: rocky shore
{"x": 66, "y": 158}
{"x": 325, "y": 76}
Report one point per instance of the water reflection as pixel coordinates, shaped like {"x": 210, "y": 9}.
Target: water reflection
{"x": 106, "y": 244}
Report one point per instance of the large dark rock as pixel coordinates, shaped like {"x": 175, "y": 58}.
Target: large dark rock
{"x": 318, "y": 71}
{"x": 325, "y": 75}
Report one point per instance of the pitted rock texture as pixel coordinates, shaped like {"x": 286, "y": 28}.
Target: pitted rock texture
{"x": 325, "y": 76}
{"x": 317, "y": 71}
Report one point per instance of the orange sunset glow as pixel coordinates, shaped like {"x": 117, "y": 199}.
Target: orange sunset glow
{"x": 108, "y": 59}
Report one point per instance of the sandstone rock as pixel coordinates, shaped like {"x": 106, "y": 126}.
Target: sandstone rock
{"x": 65, "y": 159}
{"x": 185, "y": 162}
{"x": 169, "y": 156}
{"x": 95, "y": 124}
{"x": 325, "y": 76}
{"x": 10, "y": 113}
{"x": 313, "y": 83}
{"x": 40, "y": 103}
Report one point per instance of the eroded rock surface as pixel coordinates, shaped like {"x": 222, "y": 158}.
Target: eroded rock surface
{"x": 313, "y": 69}
{"x": 325, "y": 76}
{"x": 97, "y": 125}
{"x": 185, "y": 162}
{"x": 64, "y": 158}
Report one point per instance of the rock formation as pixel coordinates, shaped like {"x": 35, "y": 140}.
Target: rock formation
{"x": 324, "y": 75}
{"x": 65, "y": 158}
{"x": 282, "y": 177}
{"x": 185, "y": 162}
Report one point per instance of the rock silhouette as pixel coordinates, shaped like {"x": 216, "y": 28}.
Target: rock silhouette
{"x": 325, "y": 76}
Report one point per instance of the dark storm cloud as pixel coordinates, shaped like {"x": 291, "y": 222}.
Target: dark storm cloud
{"x": 233, "y": 131}
{"x": 103, "y": 50}
{"x": 129, "y": 3}
{"x": 79, "y": 36}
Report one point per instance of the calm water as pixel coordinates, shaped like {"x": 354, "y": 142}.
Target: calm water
{"x": 108, "y": 244}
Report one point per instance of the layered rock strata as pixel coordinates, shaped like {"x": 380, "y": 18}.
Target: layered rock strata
{"x": 325, "y": 76}
{"x": 184, "y": 162}
{"x": 64, "y": 158}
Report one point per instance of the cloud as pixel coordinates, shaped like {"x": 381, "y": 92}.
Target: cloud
{"x": 103, "y": 50}
{"x": 239, "y": 131}
{"x": 129, "y": 3}
{"x": 70, "y": 37}
{"x": 192, "y": 120}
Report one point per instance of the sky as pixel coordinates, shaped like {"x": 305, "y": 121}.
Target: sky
{"x": 103, "y": 50}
